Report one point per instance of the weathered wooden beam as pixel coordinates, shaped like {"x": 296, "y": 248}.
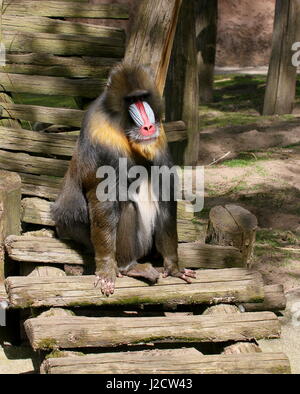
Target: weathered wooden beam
{"x": 73, "y": 331}
{"x": 274, "y": 300}
{"x": 65, "y": 9}
{"x": 23, "y": 162}
{"x": 61, "y": 66}
{"x": 182, "y": 88}
{"x": 55, "y": 251}
{"x": 36, "y": 113}
{"x": 40, "y": 24}
{"x": 282, "y": 74}
{"x": 206, "y": 42}
{"x": 37, "y": 142}
{"x": 62, "y": 44}
{"x": 10, "y": 210}
{"x": 151, "y": 37}
{"x": 55, "y": 143}
{"x": 41, "y": 185}
{"x": 237, "y": 347}
{"x": 211, "y": 286}
{"x": 59, "y": 86}
{"x": 232, "y": 225}
{"x": 179, "y": 361}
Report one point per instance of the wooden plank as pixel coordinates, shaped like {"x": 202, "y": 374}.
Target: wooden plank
{"x": 35, "y": 113}
{"x": 45, "y": 143}
{"x": 199, "y": 255}
{"x": 10, "y": 210}
{"x": 37, "y": 142}
{"x": 274, "y": 300}
{"x": 65, "y": 9}
{"x": 54, "y": 251}
{"x": 170, "y": 361}
{"x": 41, "y": 186}
{"x": 22, "y": 162}
{"x": 182, "y": 88}
{"x": 38, "y": 24}
{"x": 151, "y": 37}
{"x": 36, "y": 211}
{"x": 62, "y": 44}
{"x": 51, "y": 65}
{"x": 6, "y": 98}
{"x": 282, "y": 74}
{"x": 73, "y": 331}
{"x": 60, "y": 86}
{"x": 211, "y": 286}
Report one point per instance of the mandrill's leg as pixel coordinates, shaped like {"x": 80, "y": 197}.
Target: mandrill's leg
{"x": 129, "y": 248}
{"x": 104, "y": 218}
{"x": 166, "y": 242}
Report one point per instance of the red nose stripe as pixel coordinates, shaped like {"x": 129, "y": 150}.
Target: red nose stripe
{"x": 142, "y": 111}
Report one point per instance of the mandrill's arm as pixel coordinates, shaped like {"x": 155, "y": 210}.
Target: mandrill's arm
{"x": 104, "y": 219}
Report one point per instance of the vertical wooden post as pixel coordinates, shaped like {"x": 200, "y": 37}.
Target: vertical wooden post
{"x": 206, "y": 39}
{"x": 182, "y": 88}
{"x": 10, "y": 210}
{"x": 151, "y": 36}
{"x": 281, "y": 82}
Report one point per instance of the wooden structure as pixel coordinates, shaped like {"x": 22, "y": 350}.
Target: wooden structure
{"x": 59, "y": 57}
{"x": 281, "y": 83}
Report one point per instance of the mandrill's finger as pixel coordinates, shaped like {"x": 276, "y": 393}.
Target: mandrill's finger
{"x": 190, "y": 273}
{"x": 96, "y": 281}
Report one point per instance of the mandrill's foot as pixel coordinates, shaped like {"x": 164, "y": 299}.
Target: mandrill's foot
{"x": 184, "y": 274}
{"x": 106, "y": 282}
{"x": 143, "y": 271}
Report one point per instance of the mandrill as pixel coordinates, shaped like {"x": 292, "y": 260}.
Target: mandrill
{"x": 124, "y": 122}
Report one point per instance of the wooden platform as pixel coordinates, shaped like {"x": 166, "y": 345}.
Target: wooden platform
{"x": 180, "y": 361}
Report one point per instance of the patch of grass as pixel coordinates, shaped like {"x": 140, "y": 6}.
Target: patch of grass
{"x": 46, "y": 101}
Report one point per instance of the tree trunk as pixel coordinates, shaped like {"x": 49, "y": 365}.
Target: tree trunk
{"x": 206, "y": 36}
{"x": 281, "y": 82}
{"x": 182, "y": 88}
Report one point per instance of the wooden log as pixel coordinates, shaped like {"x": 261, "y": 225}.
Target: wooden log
{"x": 10, "y": 210}
{"x": 22, "y": 162}
{"x": 55, "y": 251}
{"x": 282, "y": 74}
{"x": 179, "y": 361}
{"x": 232, "y": 225}
{"x": 74, "y": 331}
{"x": 62, "y": 44}
{"x": 37, "y": 142}
{"x": 206, "y": 41}
{"x": 238, "y": 347}
{"x": 151, "y": 37}
{"x": 210, "y": 287}
{"x": 274, "y": 300}
{"x": 35, "y": 113}
{"x": 37, "y": 211}
{"x": 41, "y": 185}
{"x": 60, "y": 66}
{"x": 59, "y": 86}
{"x": 6, "y": 98}
{"x": 182, "y": 88}
{"x": 38, "y": 24}
{"x": 52, "y": 143}
{"x": 65, "y": 9}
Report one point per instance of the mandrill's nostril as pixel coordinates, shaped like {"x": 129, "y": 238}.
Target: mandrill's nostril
{"x": 148, "y": 129}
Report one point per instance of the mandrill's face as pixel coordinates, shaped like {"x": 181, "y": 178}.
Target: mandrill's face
{"x": 133, "y": 98}
{"x": 143, "y": 123}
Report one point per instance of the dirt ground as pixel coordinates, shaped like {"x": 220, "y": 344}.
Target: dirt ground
{"x": 268, "y": 184}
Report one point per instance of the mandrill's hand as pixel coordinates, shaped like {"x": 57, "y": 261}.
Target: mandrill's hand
{"x": 106, "y": 281}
